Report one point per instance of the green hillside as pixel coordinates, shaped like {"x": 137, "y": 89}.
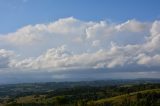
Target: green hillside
{"x": 141, "y": 98}
{"x": 146, "y": 94}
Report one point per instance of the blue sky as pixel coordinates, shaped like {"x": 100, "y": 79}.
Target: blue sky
{"x": 55, "y": 40}
{"x": 17, "y": 13}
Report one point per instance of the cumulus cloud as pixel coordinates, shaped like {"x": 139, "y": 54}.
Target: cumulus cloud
{"x": 132, "y": 26}
{"x": 5, "y": 58}
{"x": 69, "y": 43}
{"x": 96, "y": 43}
{"x": 149, "y": 60}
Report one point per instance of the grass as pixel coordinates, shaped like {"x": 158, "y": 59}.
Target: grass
{"x": 120, "y": 98}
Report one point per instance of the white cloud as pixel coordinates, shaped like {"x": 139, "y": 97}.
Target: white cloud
{"x": 99, "y": 30}
{"x": 149, "y": 60}
{"x": 132, "y": 26}
{"x": 153, "y": 41}
{"x": 96, "y": 43}
{"x": 5, "y": 56}
{"x": 70, "y": 43}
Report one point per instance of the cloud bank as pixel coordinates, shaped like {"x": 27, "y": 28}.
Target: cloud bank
{"x": 71, "y": 44}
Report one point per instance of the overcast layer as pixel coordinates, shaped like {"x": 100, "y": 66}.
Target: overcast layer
{"x": 74, "y": 49}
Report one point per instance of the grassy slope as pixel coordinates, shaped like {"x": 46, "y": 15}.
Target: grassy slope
{"x": 120, "y": 98}
{"x": 32, "y": 99}
{"x": 112, "y": 100}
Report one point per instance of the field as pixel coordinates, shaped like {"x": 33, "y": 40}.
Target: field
{"x": 87, "y": 93}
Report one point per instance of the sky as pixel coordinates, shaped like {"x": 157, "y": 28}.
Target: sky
{"x": 18, "y": 13}
{"x": 73, "y": 40}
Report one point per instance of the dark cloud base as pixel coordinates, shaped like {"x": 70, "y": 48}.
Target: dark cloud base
{"x": 76, "y": 75}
